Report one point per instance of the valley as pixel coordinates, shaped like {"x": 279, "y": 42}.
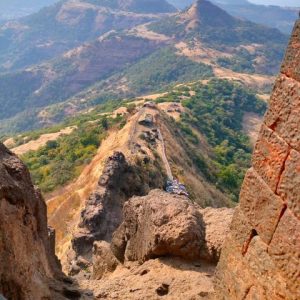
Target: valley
{"x": 105, "y": 64}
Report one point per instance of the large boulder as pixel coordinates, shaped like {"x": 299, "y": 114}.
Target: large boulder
{"x": 162, "y": 224}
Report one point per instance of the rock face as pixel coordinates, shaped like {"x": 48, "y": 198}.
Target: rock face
{"x": 216, "y": 222}
{"x": 162, "y": 224}
{"x": 103, "y": 260}
{"x": 103, "y": 211}
{"x": 28, "y": 266}
{"x": 261, "y": 256}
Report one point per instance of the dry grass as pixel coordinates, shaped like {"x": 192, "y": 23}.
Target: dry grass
{"x": 167, "y": 108}
{"x": 143, "y": 32}
{"x": 41, "y": 141}
{"x": 251, "y": 80}
{"x": 65, "y": 205}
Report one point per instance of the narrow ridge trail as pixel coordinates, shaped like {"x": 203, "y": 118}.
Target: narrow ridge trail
{"x": 164, "y": 156}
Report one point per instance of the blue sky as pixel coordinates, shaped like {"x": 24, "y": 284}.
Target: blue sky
{"x": 278, "y": 2}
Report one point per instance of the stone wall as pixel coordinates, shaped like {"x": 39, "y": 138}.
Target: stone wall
{"x": 261, "y": 256}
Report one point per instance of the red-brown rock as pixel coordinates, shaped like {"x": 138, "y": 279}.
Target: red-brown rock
{"x": 162, "y": 224}
{"x": 289, "y": 186}
{"x": 261, "y": 256}
{"x": 285, "y": 252}
{"x": 28, "y": 266}
{"x": 290, "y": 66}
{"x": 284, "y": 113}
{"x": 157, "y": 225}
{"x": 260, "y": 205}
{"x": 103, "y": 260}
{"x": 269, "y": 156}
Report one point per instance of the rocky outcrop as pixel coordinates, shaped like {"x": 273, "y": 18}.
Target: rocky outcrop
{"x": 104, "y": 260}
{"x": 29, "y": 268}
{"x": 103, "y": 211}
{"x": 162, "y": 224}
{"x": 260, "y": 259}
{"x": 157, "y": 225}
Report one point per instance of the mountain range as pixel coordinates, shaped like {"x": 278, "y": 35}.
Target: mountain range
{"x": 282, "y": 18}
{"x": 81, "y": 53}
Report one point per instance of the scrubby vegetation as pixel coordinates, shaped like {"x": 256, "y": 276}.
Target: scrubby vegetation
{"x": 216, "y": 110}
{"x": 62, "y": 160}
{"x": 162, "y": 68}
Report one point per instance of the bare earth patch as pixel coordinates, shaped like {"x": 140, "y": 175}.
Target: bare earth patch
{"x": 143, "y": 32}
{"x": 41, "y": 141}
{"x": 171, "y": 110}
{"x": 167, "y": 278}
{"x": 251, "y": 80}
{"x": 200, "y": 53}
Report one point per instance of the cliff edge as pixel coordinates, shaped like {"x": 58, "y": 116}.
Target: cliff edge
{"x": 29, "y": 268}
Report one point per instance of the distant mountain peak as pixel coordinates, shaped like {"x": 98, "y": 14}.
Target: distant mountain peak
{"x": 204, "y": 12}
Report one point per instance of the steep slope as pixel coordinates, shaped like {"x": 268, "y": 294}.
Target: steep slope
{"x": 77, "y": 69}
{"x": 193, "y": 130}
{"x": 29, "y": 267}
{"x": 63, "y": 26}
{"x": 260, "y": 258}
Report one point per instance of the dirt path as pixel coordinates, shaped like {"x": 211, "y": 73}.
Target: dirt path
{"x": 164, "y": 156}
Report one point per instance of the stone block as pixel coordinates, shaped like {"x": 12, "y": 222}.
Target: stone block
{"x": 260, "y": 205}
{"x": 262, "y": 268}
{"x": 283, "y": 115}
{"x": 284, "y": 249}
{"x": 269, "y": 156}
{"x": 291, "y": 66}
{"x": 289, "y": 185}
{"x": 240, "y": 230}
{"x": 232, "y": 278}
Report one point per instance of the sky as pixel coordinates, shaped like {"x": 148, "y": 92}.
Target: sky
{"x": 278, "y": 2}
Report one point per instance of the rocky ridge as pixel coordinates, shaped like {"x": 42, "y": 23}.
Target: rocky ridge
{"x": 260, "y": 258}
{"x": 102, "y": 212}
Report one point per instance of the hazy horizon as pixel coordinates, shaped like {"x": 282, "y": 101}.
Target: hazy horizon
{"x": 295, "y": 3}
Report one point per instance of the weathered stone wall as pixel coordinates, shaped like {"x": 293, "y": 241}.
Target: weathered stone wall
{"x": 261, "y": 256}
